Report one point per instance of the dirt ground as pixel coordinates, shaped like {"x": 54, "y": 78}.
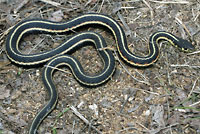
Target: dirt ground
{"x": 161, "y": 99}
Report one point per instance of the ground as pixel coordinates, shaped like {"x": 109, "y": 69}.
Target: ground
{"x": 160, "y": 99}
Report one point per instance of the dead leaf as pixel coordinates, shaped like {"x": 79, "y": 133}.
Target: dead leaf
{"x": 57, "y": 16}
{"x": 158, "y": 115}
{"x": 4, "y": 93}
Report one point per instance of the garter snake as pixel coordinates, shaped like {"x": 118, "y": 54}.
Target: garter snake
{"x": 58, "y": 56}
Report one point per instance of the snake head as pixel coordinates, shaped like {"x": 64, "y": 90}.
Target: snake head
{"x": 185, "y": 45}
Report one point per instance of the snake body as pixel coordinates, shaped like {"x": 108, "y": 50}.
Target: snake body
{"x": 59, "y": 56}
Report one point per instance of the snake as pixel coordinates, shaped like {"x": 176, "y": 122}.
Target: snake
{"x": 60, "y": 56}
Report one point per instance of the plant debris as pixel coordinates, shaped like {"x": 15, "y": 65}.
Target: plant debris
{"x": 161, "y": 99}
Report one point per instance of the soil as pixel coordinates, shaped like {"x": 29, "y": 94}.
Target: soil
{"x": 160, "y": 99}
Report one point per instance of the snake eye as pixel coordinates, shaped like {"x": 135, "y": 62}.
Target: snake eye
{"x": 184, "y": 49}
{"x": 185, "y": 45}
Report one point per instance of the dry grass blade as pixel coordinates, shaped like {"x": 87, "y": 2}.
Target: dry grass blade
{"x": 193, "y": 88}
{"x": 51, "y": 2}
{"x": 22, "y": 4}
{"x": 184, "y": 26}
{"x": 196, "y": 52}
{"x": 101, "y": 6}
{"x": 58, "y": 69}
{"x": 196, "y": 103}
{"x": 128, "y": 30}
{"x": 198, "y": 14}
{"x": 75, "y": 111}
{"x": 36, "y": 46}
{"x": 184, "y": 65}
{"x": 151, "y": 10}
{"x": 171, "y": 2}
{"x": 145, "y": 82}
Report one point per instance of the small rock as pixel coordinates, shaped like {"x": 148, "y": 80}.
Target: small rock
{"x": 3, "y": 92}
{"x": 94, "y": 108}
{"x": 16, "y": 95}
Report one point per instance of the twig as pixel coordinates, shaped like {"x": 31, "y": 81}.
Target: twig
{"x": 36, "y": 45}
{"x": 101, "y": 6}
{"x": 1, "y": 49}
{"x": 142, "y": 126}
{"x": 22, "y": 4}
{"x": 121, "y": 114}
{"x": 193, "y": 87}
{"x": 168, "y": 74}
{"x": 87, "y": 3}
{"x": 128, "y": 128}
{"x": 6, "y": 32}
{"x": 145, "y": 82}
{"x": 128, "y": 30}
{"x": 131, "y": 1}
{"x": 184, "y": 65}
{"x": 183, "y": 25}
{"x": 1, "y": 1}
{"x": 51, "y": 2}
{"x": 1, "y": 20}
{"x": 141, "y": 75}
{"x": 161, "y": 128}
{"x": 196, "y": 52}
{"x": 2, "y": 35}
{"x": 57, "y": 69}
{"x": 149, "y": 92}
{"x": 194, "y": 104}
{"x": 73, "y": 127}
{"x": 131, "y": 94}
{"x": 75, "y": 111}
{"x": 128, "y": 7}
{"x": 151, "y": 10}
{"x": 95, "y": 5}
{"x": 198, "y": 14}
{"x": 170, "y": 2}
{"x": 89, "y": 129}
